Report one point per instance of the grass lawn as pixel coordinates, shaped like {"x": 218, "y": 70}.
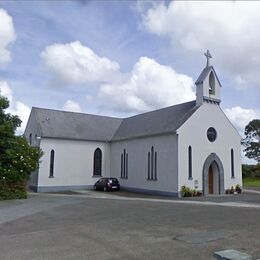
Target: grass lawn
{"x": 251, "y": 182}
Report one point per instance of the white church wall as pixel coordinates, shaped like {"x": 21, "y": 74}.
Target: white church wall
{"x": 194, "y": 133}
{"x": 32, "y": 128}
{"x": 73, "y": 164}
{"x": 137, "y": 149}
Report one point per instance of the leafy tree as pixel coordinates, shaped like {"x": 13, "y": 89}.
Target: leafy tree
{"x": 17, "y": 158}
{"x": 252, "y": 140}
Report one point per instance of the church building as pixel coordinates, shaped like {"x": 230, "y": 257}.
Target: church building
{"x": 192, "y": 144}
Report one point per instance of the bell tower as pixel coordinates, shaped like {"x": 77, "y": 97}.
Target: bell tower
{"x": 208, "y": 85}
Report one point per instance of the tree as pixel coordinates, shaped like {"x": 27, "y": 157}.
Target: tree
{"x": 17, "y": 158}
{"x": 252, "y": 140}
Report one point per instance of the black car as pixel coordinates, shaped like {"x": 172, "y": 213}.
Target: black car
{"x": 107, "y": 184}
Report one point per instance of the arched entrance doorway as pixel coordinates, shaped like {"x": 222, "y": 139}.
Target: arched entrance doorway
{"x": 213, "y": 175}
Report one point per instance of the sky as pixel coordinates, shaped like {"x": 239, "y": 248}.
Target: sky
{"x": 121, "y": 58}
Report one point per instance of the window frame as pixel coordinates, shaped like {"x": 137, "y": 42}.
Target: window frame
{"x": 52, "y": 158}
{"x": 232, "y": 163}
{"x": 97, "y": 152}
{"x": 190, "y": 163}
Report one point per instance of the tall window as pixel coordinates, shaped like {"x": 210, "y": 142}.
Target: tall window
{"x": 52, "y": 164}
{"x": 97, "y": 168}
{"x": 232, "y": 164}
{"x": 190, "y": 161}
{"x": 30, "y": 138}
{"x": 124, "y": 165}
{"x": 149, "y": 166}
{"x": 152, "y": 165}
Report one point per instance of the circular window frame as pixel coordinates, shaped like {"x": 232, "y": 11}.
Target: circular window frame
{"x": 212, "y": 134}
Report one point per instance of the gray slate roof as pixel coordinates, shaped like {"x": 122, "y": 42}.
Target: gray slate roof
{"x": 205, "y": 73}
{"x": 70, "y": 125}
{"x": 79, "y": 126}
{"x": 162, "y": 121}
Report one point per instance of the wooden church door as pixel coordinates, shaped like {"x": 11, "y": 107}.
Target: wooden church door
{"x": 210, "y": 179}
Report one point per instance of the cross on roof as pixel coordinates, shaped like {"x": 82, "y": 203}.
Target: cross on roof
{"x": 208, "y": 56}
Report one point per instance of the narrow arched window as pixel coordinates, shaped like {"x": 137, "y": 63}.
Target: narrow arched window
{"x": 126, "y": 166}
{"x": 190, "y": 162}
{"x": 122, "y": 165}
{"x": 97, "y": 168}
{"x": 211, "y": 83}
{"x": 155, "y": 165}
{"x": 52, "y": 164}
{"x": 30, "y": 138}
{"x": 149, "y": 165}
{"x": 232, "y": 164}
{"x": 152, "y": 163}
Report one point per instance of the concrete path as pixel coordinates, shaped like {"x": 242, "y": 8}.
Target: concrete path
{"x": 138, "y": 197}
{"x": 38, "y": 202}
{"x": 14, "y": 209}
{"x": 251, "y": 191}
{"x": 106, "y": 226}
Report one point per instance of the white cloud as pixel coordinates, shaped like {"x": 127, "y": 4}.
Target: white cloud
{"x": 6, "y": 91}
{"x": 7, "y": 36}
{"x": 73, "y": 63}
{"x": 16, "y": 107}
{"x": 240, "y": 117}
{"x": 149, "y": 86}
{"x": 230, "y": 29}
{"x": 72, "y": 106}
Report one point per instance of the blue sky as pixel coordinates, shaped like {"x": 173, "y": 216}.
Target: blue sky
{"x": 130, "y": 57}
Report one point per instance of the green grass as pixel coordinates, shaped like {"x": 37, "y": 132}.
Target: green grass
{"x": 251, "y": 182}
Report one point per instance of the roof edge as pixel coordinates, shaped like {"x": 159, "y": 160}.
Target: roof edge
{"x": 64, "y": 111}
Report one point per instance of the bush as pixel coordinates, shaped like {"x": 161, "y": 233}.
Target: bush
{"x": 188, "y": 192}
{"x": 12, "y": 190}
{"x": 17, "y": 158}
{"x": 237, "y": 189}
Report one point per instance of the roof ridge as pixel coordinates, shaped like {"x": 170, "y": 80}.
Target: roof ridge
{"x": 160, "y": 109}
{"x": 71, "y": 112}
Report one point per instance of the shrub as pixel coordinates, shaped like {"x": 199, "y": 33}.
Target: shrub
{"x": 188, "y": 192}
{"x": 232, "y": 190}
{"x": 12, "y": 190}
{"x": 18, "y": 159}
{"x": 238, "y": 188}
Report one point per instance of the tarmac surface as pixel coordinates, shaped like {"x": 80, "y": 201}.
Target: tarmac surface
{"x": 98, "y": 225}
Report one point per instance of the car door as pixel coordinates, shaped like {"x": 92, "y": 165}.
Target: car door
{"x": 99, "y": 184}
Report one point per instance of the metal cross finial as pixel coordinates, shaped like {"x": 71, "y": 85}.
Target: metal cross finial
{"x": 208, "y": 56}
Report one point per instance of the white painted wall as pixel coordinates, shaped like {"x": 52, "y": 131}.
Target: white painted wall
{"x": 137, "y": 149}
{"x": 194, "y": 132}
{"x": 73, "y": 164}
{"x": 32, "y": 128}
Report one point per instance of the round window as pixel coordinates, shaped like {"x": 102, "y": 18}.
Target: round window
{"x": 212, "y": 134}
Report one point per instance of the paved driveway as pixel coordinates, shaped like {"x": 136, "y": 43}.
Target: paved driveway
{"x": 105, "y": 226}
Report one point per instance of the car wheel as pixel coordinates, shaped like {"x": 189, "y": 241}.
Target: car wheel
{"x": 105, "y": 188}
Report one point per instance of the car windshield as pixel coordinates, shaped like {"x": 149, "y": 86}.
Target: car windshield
{"x": 113, "y": 180}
